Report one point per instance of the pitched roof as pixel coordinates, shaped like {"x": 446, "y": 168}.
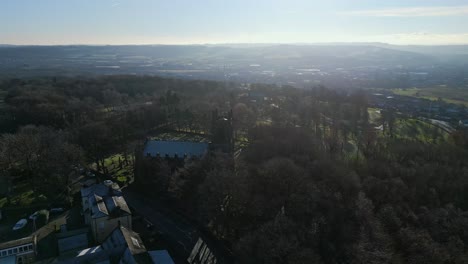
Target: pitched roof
{"x": 161, "y": 257}
{"x": 73, "y": 240}
{"x": 108, "y": 206}
{"x": 134, "y": 242}
{"x": 175, "y": 148}
{"x": 17, "y": 242}
{"x": 101, "y": 190}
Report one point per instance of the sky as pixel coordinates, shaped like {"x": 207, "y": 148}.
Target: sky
{"x": 60, "y": 22}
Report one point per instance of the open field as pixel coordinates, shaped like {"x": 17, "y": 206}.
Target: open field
{"x": 447, "y": 94}
{"x": 419, "y": 130}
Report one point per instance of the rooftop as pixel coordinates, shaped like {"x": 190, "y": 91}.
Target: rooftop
{"x": 101, "y": 190}
{"x": 17, "y": 242}
{"x": 102, "y": 206}
{"x": 133, "y": 240}
{"x": 161, "y": 257}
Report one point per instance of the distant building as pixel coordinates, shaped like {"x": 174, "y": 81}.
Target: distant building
{"x": 20, "y": 251}
{"x": 104, "y": 209}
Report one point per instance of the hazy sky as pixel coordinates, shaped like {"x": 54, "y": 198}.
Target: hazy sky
{"x": 232, "y": 21}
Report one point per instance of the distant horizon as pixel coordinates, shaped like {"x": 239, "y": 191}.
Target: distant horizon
{"x": 209, "y": 22}
{"x": 234, "y": 43}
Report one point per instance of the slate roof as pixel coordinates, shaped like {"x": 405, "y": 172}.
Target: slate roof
{"x": 101, "y": 190}
{"x": 133, "y": 240}
{"x": 73, "y": 240}
{"x": 105, "y": 200}
{"x": 175, "y": 148}
{"x": 108, "y": 206}
{"x": 160, "y": 257}
{"x": 17, "y": 242}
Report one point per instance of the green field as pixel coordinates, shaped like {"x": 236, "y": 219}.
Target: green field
{"x": 419, "y": 130}
{"x": 448, "y": 94}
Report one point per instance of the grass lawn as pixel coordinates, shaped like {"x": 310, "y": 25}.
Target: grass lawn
{"x": 448, "y": 94}
{"x": 3, "y": 202}
{"x": 23, "y": 195}
{"x": 374, "y": 115}
{"x": 178, "y": 136}
{"x": 120, "y": 174}
{"x": 241, "y": 141}
{"x": 419, "y": 130}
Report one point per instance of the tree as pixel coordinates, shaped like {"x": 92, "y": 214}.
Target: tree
{"x": 42, "y": 155}
{"x": 98, "y": 142}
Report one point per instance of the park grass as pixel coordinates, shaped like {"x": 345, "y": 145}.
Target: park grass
{"x": 24, "y": 198}
{"x": 419, "y": 130}
{"x": 374, "y": 115}
{"x": 241, "y": 141}
{"x": 3, "y": 201}
{"x": 23, "y": 195}
{"x": 451, "y": 95}
{"x": 179, "y": 136}
{"x": 120, "y": 174}
{"x": 266, "y": 122}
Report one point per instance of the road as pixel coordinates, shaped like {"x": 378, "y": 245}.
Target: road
{"x": 180, "y": 234}
{"x": 440, "y": 124}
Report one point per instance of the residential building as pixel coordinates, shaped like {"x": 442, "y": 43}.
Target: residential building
{"x": 121, "y": 246}
{"x": 20, "y": 251}
{"x": 104, "y": 209}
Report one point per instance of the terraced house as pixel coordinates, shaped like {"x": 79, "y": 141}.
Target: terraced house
{"x": 104, "y": 209}
{"x": 20, "y": 251}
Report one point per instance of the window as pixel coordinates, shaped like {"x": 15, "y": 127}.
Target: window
{"x": 10, "y": 252}
{"x": 15, "y": 250}
{"x": 4, "y": 253}
{"x": 21, "y": 249}
{"x": 20, "y": 260}
{"x": 30, "y": 247}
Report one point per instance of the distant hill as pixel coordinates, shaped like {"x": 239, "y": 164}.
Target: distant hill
{"x": 154, "y": 59}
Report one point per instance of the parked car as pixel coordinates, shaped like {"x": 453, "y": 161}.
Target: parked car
{"x": 20, "y": 224}
{"x": 56, "y": 210}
